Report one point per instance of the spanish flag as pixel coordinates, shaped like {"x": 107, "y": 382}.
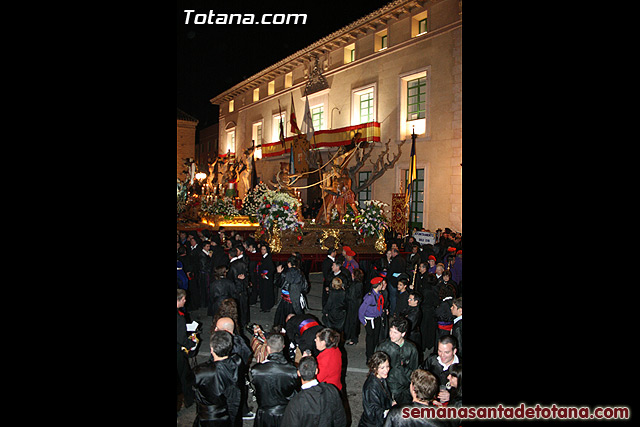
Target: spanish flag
{"x": 292, "y": 119}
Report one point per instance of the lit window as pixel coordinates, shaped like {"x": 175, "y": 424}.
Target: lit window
{"x": 231, "y": 106}
{"x": 422, "y": 26}
{"x": 271, "y": 88}
{"x": 256, "y": 94}
{"x": 256, "y": 132}
{"x": 381, "y": 40}
{"x": 417, "y": 198}
{"x": 231, "y": 140}
{"x": 288, "y": 80}
{"x": 417, "y": 99}
{"x": 419, "y": 24}
{"x": 317, "y": 114}
{"x": 414, "y": 88}
{"x": 365, "y": 194}
{"x": 350, "y": 53}
{"x": 363, "y": 103}
{"x": 366, "y": 107}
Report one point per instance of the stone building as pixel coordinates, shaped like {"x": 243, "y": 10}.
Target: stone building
{"x": 186, "y": 140}
{"x": 207, "y": 147}
{"x": 396, "y": 69}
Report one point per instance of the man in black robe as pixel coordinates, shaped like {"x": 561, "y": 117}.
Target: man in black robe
{"x": 317, "y": 404}
{"x": 219, "y": 256}
{"x": 301, "y": 331}
{"x": 216, "y": 385}
{"x": 275, "y": 381}
{"x": 403, "y": 359}
{"x": 184, "y": 343}
{"x": 266, "y": 271}
{"x": 397, "y": 266}
{"x": 327, "y": 274}
{"x": 253, "y": 258}
{"x": 239, "y": 274}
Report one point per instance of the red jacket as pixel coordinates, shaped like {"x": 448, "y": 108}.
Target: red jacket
{"x": 330, "y": 366}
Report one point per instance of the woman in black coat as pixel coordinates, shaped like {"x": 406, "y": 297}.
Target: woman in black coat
{"x": 334, "y": 311}
{"x": 376, "y": 396}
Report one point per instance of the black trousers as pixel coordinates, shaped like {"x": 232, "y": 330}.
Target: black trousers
{"x": 373, "y": 334}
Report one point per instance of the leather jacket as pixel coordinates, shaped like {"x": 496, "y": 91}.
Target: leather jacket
{"x": 376, "y": 398}
{"x": 403, "y": 361}
{"x": 275, "y": 381}
{"x": 217, "y": 392}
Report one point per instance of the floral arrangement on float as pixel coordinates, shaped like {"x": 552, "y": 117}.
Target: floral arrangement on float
{"x": 252, "y": 200}
{"x": 279, "y": 211}
{"x": 371, "y": 220}
{"x": 224, "y": 206}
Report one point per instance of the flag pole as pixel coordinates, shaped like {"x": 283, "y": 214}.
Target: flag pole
{"x": 412, "y": 165}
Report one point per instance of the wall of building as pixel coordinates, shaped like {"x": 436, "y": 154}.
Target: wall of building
{"x": 186, "y": 144}
{"x": 207, "y": 146}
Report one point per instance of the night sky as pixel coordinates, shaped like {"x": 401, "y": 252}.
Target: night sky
{"x": 214, "y": 57}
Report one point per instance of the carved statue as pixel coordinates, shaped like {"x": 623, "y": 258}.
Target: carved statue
{"x": 212, "y": 177}
{"x": 339, "y": 194}
{"x": 245, "y": 168}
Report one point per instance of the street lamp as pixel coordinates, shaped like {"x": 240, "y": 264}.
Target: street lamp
{"x": 200, "y": 176}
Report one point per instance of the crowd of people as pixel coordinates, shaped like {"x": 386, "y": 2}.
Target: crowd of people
{"x": 408, "y": 305}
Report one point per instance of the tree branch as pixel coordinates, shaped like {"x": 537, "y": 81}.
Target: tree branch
{"x": 380, "y": 166}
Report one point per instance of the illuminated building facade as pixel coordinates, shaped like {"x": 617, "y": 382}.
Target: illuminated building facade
{"x": 396, "y": 69}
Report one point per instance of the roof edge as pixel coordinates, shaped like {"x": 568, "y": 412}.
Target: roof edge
{"x": 388, "y": 8}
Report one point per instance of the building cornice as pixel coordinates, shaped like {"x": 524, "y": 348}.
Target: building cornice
{"x": 339, "y": 38}
{"x": 376, "y": 55}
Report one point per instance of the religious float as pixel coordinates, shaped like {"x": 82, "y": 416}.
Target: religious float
{"x": 271, "y": 211}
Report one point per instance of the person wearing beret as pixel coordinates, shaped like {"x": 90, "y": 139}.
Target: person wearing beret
{"x": 350, "y": 263}
{"x": 432, "y": 264}
{"x": 369, "y": 315}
